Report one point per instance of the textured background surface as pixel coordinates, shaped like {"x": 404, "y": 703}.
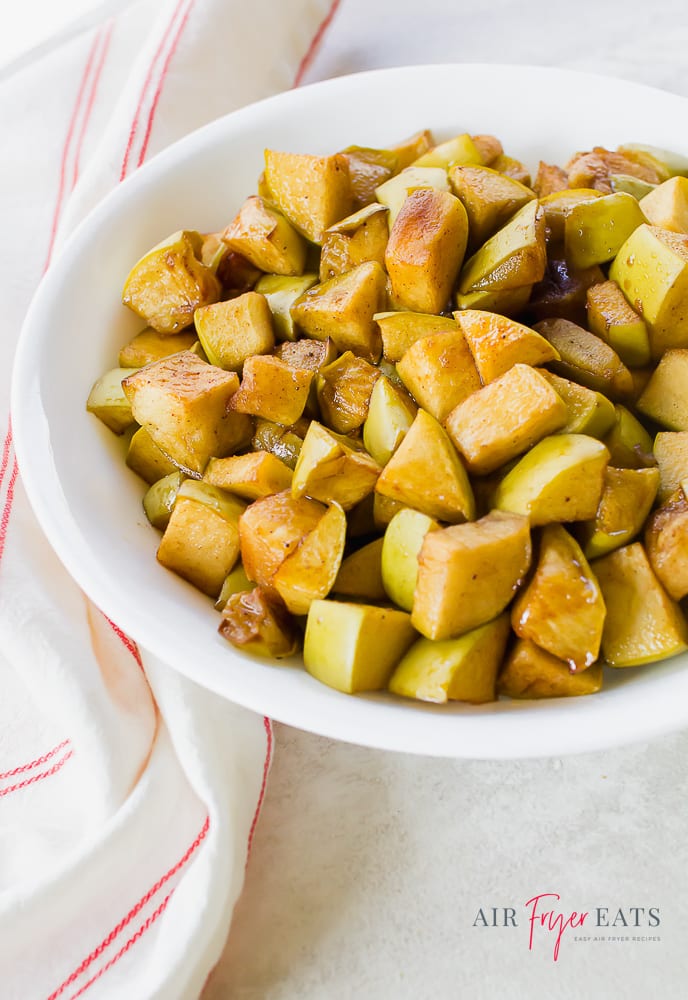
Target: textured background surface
{"x": 368, "y": 869}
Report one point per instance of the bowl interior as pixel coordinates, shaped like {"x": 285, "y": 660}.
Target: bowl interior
{"x": 89, "y": 503}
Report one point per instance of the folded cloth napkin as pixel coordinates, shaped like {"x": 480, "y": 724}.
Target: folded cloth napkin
{"x": 128, "y": 794}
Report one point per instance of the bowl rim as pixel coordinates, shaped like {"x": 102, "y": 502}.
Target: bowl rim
{"x": 523, "y": 731}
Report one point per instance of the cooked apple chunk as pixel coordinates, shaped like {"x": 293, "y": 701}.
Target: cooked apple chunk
{"x": 272, "y": 389}
{"x": 498, "y": 343}
{"x": 462, "y": 669}
{"x": 557, "y": 206}
{"x": 587, "y": 359}
{"x": 516, "y": 255}
{"x": 149, "y": 345}
{"x": 160, "y": 498}
{"x": 490, "y": 199}
{"x": 531, "y": 672}
{"x": 425, "y": 250}
{"x": 643, "y": 624}
{"x": 146, "y": 459}
{"x": 505, "y": 417}
{"x": 332, "y": 468}
{"x": 271, "y": 529}
{"x": 401, "y": 545}
{"x": 667, "y": 205}
{"x": 666, "y": 542}
{"x": 344, "y": 388}
{"x": 410, "y": 149}
{"x": 343, "y": 309}
{"x": 358, "y": 238}
{"x": 108, "y": 401}
{"x": 394, "y": 192}
{"x": 368, "y": 168}
{"x": 355, "y": 647}
{"x": 626, "y": 501}
{"x": 281, "y": 292}
{"x": 611, "y": 318}
{"x": 400, "y": 330}
{"x": 169, "y": 282}
{"x": 183, "y": 404}
{"x": 468, "y": 573}
{"x": 283, "y": 442}
{"x": 665, "y": 398}
{"x": 263, "y": 236}
{"x": 670, "y": 451}
{"x": 257, "y": 474}
{"x": 561, "y": 609}
{"x": 595, "y": 231}
{"x": 651, "y": 268}
{"x": 232, "y": 331}
{"x": 560, "y": 479}
{"x": 313, "y": 191}
{"x": 201, "y": 540}
{"x": 360, "y": 574}
{"x": 629, "y": 444}
{"x": 439, "y": 371}
{"x": 590, "y": 412}
{"x": 426, "y": 473}
{"x": 256, "y": 621}
{"x": 391, "y": 412}
{"x": 308, "y": 574}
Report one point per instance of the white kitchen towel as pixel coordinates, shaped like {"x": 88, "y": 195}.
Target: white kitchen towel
{"x": 128, "y": 795}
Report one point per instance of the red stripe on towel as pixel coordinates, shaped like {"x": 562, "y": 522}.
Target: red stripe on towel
{"x": 6, "y": 451}
{"x": 67, "y": 146}
{"x": 5, "y": 519}
{"x": 34, "y": 763}
{"x": 315, "y": 44}
{"x": 261, "y": 795}
{"x": 131, "y": 915}
{"x": 37, "y": 777}
{"x": 92, "y": 97}
{"x": 144, "y": 90}
{"x": 161, "y": 83}
{"x": 129, "y": 643}
{"x": 132, "y": 940}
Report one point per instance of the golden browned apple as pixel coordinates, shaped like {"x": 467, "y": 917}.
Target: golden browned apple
{"x": 146, "y": 459}
{"x": 643, "y": 624}
{"x": 462, "y": 669}
{"x": 626, "y": 501}
{"x": 169, "y": 282}
{"x": 515, "y": 256}
{"x": 257, "y": 474}
{"x": 666, "y": 542}
{"x": 665, "y": 398}
{"x": 611, "y": 318}
{"x": 531, "y": 672}
{"x": 498, "y": 343}
{"x": 468, "y": 573}
{"x": 400, "y": 330}
{"x": 343, "y": 309}
{"x": 670, "y": 451}
{"x": 149, "y": 345}
{"x": 263, "y": 236}
{"x": 344, "y": 388}
{"x": 183, "y": 404}
{"x": 333, "y": 468}
{"x": 425, "y": 250}
{"x": 505, "y": 418}
{"x": 490, "y": 198}
{"x": 314, "y": 192}
{"x": 439, "y": 371}
{"x": 308, "y": 573}
{"x": 587, "y": 359}
{"x": 272, "y": 389}
{"x": 256, "y": 621}
{"x": 426, "y": 473}
{"x": 358, "y": 238}
{"x": 201, "y": 540}
{"x": 561, "y": 609}
{"x": 273, "y": 527}
{"x": 232, "y": 331}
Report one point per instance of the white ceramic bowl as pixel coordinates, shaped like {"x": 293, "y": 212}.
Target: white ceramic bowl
{"x": 89, "y": 503}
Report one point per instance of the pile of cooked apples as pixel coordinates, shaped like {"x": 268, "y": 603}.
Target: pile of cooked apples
{"x": 424, "y": 418}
